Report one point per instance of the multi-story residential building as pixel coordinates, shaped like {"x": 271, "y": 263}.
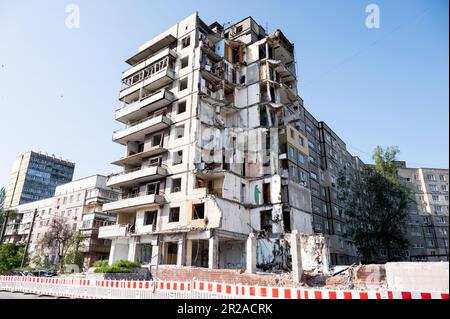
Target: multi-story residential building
{"x": 222, "y": 159}
{"x": 427, "y": 229}
{"x": 34, "y": 176}
{"x": 219, "y": 150}
{"x": 78, "y": 206}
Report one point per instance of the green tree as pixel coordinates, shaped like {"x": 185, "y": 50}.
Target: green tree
{"x": 10, "y": 256}
{"x": 377, "y": 206}
{"x": 64, "y": 240}
{"x": 2, "y": 204}
{"x": 358, "y": 200}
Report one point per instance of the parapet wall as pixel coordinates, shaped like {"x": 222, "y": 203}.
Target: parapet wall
{"x": 418, "y": 276}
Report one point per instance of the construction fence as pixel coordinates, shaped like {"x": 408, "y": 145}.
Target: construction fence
{"x": 115, "y": 289}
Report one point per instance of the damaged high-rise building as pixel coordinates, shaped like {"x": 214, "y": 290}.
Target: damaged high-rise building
{"x": 222, "y": 160}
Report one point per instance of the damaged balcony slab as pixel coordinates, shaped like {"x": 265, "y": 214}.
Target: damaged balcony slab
{"x": 140, "y": 175}
{"x": 148, "y": 104}
{"x": 156, "y": 45}
{"x": 136, "y": 159}
{"x": 132, "y": 203}
{"x": 139, "y": 130}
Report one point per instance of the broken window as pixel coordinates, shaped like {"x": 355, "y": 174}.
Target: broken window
{"x": 266, "y": 193}
{"x": 140, "y": 148}
{"x": 200, "y": 253}
{"x": 266, "y": 220}
{"x": 272, "y": 94}
{"x": 262, "y": 51}
{"x": 157, "y": 140}
{"x": 184, "y": 62}
{"x": 177, "y": 157}
{"x": 152, "y": 189}
{"x": 270, "y": 52}
{"x": 183, "y": 84}
{"x": 176, "y": 185}
{"x": 171, "y": 256}
{"x": 264, "y": 119}
{"x": 154, "y": 161}
{"x": 150, "y": 218}
{"x": 174, "y": 214}
{"x": 186, "y": 42}
{"x": 198, "y": 211}
{"x": 181, "y": 107}
{"x": 287, "y": 221}
{"x": 179, "y": 131}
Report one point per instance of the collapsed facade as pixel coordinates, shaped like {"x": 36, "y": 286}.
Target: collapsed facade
{"x": 222, "y": 159}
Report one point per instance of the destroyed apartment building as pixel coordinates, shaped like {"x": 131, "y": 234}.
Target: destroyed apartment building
{"x": 224, "y": 167}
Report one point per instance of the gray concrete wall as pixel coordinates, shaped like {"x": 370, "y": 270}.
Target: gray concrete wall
{"x": 418, "y": 276}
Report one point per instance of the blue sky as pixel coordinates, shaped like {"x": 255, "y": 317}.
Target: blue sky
{"x": 387, "y": 86}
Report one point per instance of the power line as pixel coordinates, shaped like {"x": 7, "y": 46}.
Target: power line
{"x": 362, "y": 50}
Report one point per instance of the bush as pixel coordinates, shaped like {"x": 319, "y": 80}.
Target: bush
{"x": 101, "y": 263}
{"x": 126, "y": 264}
{"x": 112, "y": 269}
{"x": 10, "y": 256}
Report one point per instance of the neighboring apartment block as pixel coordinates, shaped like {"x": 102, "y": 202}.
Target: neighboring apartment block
{"x": 222, "y": 159}
{"x": 34, "y": 176}
{"x": 78, "y": 205}
{"x": 428, "y": 227}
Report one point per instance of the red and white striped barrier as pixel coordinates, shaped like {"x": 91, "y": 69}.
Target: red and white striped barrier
{"x": 115, "y": 289}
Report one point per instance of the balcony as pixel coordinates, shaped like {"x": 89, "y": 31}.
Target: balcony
{"x": 137, "y": 131}
{"x": 136, "y": 159}
{"x": 151, "y": 78}
{"x": 108, "y": 232}
{"x": 131, "y": 202}
{"x": 144, "y": 106}
{"x": 139, "y": 175}
{"x": 151, "y": 48}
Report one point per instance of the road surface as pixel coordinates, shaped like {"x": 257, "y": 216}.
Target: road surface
{"x": 19, "y": 295}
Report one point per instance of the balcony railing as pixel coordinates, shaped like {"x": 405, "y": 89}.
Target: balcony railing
{"x": 139, "y": 129}
{"x": 118, "y": 230}
{"x": 147, "y": 72}
{"x": 130, "y": 202}
{"x": 136, "y": 159}
{"x": 137, "y": 175}
{"x": 145, "y": 104}
{"x": 149, "y": 79}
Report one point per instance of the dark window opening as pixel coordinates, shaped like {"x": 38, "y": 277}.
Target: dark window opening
{"x": 272, "y": 94}
{"x": 140, "y": 147}
{"x": 176, "y": 185}
{"x": 183, "y": 84}
{"x": 181, "y": 107}
{"x": 287, "y": 221}
{"x": 266, "y": 220}
{"x": 270, "y": 52}
{"x": 262, "y": 51}
{"x": 184, "y": 62}
{"x": 172, "y": 251}
{"x": 186, "y": 42}
{"x": 199, "y": 255}
{"x": 150, "y": 218}
{"x": 152, "y": 189}
{"x": 174, "y": 215}
{"x": 266, "y": 193}
{"x": 264, "y": 119}
{"x": 198, "y": 211}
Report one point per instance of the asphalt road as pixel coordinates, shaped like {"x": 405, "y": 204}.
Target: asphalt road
{"x": 19, "y": 295}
